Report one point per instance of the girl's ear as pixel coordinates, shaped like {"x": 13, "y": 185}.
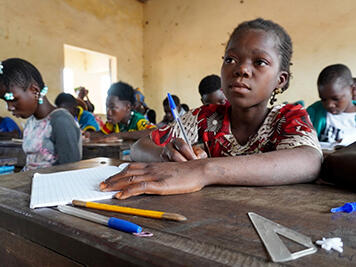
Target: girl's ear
{"x": 283, "y": 79}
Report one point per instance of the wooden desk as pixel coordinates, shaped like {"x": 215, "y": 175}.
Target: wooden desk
{"x": 11, "y": 149}
{"x": 218, "y": 231}
{"x": 110, "y": 150}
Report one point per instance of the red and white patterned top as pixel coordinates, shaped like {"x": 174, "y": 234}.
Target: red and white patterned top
{"x": 286, "y": 126}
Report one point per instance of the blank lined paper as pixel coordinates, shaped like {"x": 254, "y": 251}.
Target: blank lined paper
{"x": 61, "y": 188}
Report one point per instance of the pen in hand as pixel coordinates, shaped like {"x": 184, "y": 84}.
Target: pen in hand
{"x": 177, "y": 119}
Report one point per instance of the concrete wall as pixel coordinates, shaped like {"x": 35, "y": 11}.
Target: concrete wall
{"x": 184, "y": 41}
{"x": 169, "y": 45}
{"x": 36, "y": 30}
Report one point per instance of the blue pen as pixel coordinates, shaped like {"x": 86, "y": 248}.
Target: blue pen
{"x": 173, "y": 107}
{"x": 112, "y": 222}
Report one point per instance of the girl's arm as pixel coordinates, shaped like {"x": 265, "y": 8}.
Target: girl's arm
{"x": 289, "y": 166}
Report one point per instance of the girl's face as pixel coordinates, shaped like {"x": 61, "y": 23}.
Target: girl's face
{"x": 216, "y": 97}
{"x": 336, "y": 97}
{"x": 116, "y": 110}
{"x": 251, "y": 69}
{"x": 25, "y": 102}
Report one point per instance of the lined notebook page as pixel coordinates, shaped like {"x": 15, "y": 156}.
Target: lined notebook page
{"x": 61, "y": 188}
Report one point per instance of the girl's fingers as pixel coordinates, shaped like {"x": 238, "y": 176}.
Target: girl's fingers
{"x": 133, "y": 169}
{"x": 124, "y": 182}
{"x": 143, "y": 187}
{"x": 184, "y": 149}
{"x": 170, "y": 153}
{"x": 200, "y": 152}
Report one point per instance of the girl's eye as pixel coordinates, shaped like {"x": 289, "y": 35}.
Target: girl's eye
{"x": 229, "y": 60}
{"x": 261, "y": 62}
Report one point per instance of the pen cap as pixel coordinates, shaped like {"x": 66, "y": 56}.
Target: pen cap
{"x": 347, "y": 207}
{"x": 171, "y": 102}
{"x": 125, "y": 226}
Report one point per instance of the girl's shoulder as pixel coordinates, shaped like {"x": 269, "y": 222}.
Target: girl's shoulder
{"x": 289, "y": 110}
{"x": 290, "y": 115}
{"x": 62, "y": 117}
{"x": 207, "y": 110}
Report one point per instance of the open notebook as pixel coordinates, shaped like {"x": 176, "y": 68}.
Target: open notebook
{"x": 61, "y": 188}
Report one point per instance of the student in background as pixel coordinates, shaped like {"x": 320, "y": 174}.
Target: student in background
{"x": 51, "y": 136}
{"x": 84, "y": 98}
{"x": 185, "y": 107}
{"x": 334, "y": 116}
{"x": 168, "y": 116}
{"x": 247, "y": 142}
{"x": 122, "y": 121}
{"x": 210, "y": 90}
{"x": 354, "y": 90}
{"x": 141, "y": 107}
{"x": 86, "y": 120}
{"x": 9, "y": 128}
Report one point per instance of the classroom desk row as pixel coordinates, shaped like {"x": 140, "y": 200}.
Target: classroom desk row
{"x": 218, "y": 231}
{"x": 10, "y": 150}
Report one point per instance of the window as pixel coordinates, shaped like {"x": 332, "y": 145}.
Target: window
{"x": 95, "y": 71}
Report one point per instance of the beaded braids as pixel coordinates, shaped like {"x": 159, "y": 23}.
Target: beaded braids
{"x": 19, "y": 72}
{"x": 285, "y": 46}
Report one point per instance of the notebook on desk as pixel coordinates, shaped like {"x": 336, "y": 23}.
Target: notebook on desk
{"x": 61, "y": 188}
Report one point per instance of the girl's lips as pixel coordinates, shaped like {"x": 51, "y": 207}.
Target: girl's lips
{"x": 241, "y": 88}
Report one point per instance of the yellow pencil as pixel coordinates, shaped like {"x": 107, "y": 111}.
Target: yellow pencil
{"x": 132, "y": 211}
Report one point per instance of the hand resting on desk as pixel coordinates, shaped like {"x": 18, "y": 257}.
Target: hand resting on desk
{"x": 288, "y": 166}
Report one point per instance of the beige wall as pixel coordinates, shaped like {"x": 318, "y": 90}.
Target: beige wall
{"x": 184, "y": 41}
{"x": 36, "y": 30}
{"x": 169, "y": 45}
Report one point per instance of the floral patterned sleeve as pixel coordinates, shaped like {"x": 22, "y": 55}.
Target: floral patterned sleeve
{"x": 294, "y": 128}
{"x": 164, "y": 135}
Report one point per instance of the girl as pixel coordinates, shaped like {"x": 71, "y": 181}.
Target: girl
{"x": 51, "y": 136}
{"x": 122, "y": 122}
{"x": 246, "y": 143}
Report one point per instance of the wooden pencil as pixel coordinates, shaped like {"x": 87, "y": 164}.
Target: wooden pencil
{"x": 132, "y": 211}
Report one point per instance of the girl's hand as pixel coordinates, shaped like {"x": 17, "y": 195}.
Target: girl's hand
{"x": 156, "y": 178}
{"x": 178, "y": 150}
{"x": 86, "y": 137}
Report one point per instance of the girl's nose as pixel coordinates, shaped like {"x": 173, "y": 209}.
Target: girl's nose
{"x": 243, "y": 70}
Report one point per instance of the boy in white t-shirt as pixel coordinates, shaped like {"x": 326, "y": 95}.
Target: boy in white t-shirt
{"x": 334, "y": 117}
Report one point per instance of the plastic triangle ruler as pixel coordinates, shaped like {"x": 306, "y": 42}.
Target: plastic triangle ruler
{"x": 268, "y": 232}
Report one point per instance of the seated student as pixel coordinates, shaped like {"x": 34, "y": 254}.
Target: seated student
{"x": 51, "y": 136}
{"x": 84, "y": 98}
{"x": 9, "y": 128}
{"x": 168, "y": 116}
{"x": 334, "y": 117}
{"x": 247, "y": 142}
{"x": 86, "y": 120}
{"x": 122, "y": 121}
{"x": 339, "y": 167}
{"x": 141, "y": 107}
{"x": 354, "y": 90}
{"x": 210, "y": 90}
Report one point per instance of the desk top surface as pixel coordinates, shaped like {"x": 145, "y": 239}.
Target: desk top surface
{"x": 218, "y": 230}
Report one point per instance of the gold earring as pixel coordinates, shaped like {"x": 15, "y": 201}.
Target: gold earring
{"x": 278, "y": 91}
